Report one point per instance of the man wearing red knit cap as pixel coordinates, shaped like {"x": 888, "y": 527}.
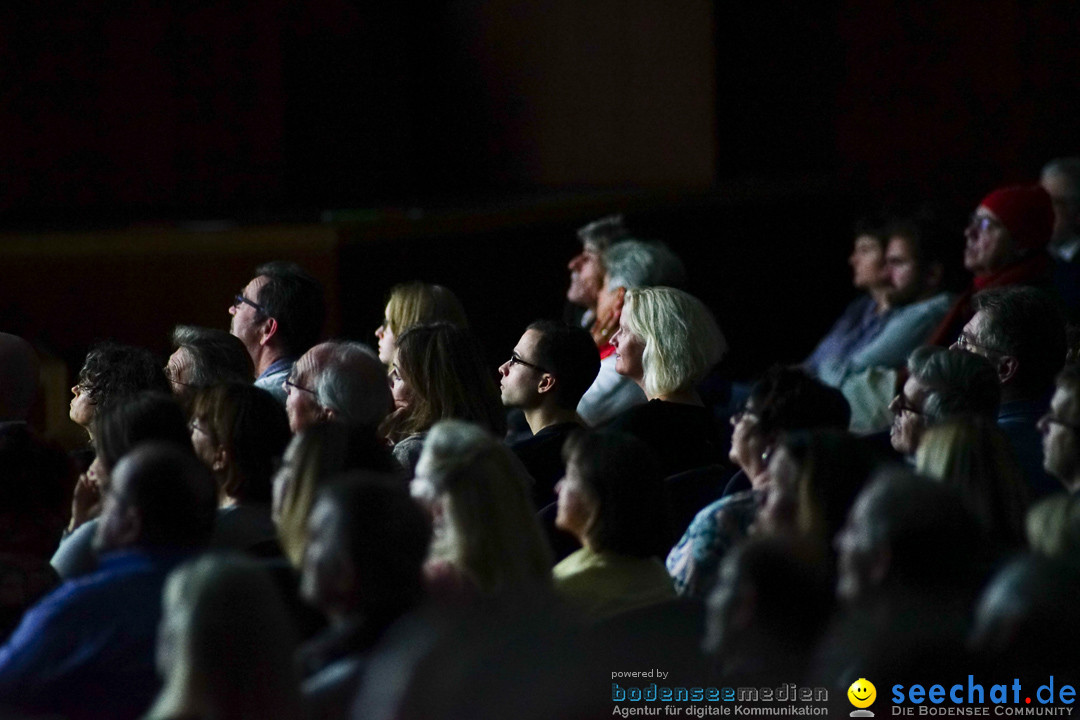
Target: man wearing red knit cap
{"x": 1006, "y": 245}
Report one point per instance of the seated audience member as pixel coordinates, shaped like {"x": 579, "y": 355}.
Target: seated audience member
{"x": 205, "y": 356}
{"x": 109, "y": 373}
{"x": 863, "y": 319}
{"x": 413, "y": 304}
{"x": 971, "y": 454}
{"x": 784, "y": 399}
{"x": 315, "y": 455}
{"x": 487, "y": 540}
{"x": 18, "y": 379}
{"x": 1027, "y": 618}
{"x": 907, "y": 534}
{"x": 278, "y": 316}
{"x": 117, "y": 429}
{"x": 911, "y": 560}
{"x": 240, "y": 432}
{"x": 612, "y": 501}
{"x": 341, "y": 381}
{"x": 1005, "y": 245}
{"x": 771, "y": 605}
{"x": 587, "y": 267}
{"x": 226, "y": 644}
{"x": 1053, "y": 527}
{"x": 87, "y": 649}
{"x": 551, "y": 367}
{"x": 1021, "y": 331}
{"x": 367, "y": 544}
{"x": 1061, "y": 179}
{"x": 1060, "y": 428}
{"x": 868, "y": 376}
{"x": 438, "y": 373}
{"x": 35, "y": 490}
{"x": 667, "y": 341}
{"x": 941, "y": 383}
{"x": 627, "y": 265}
{"x": 813, "y": 479}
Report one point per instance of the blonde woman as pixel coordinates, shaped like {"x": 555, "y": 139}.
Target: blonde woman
{"x": 975, "y": 457}
{"x": 416, "y": 304}
{"x": 225, "y": 647}
{"x": 487, "y": 540}
{"x": 667, "y": 341}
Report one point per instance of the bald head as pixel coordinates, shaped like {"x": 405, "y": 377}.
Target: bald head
{"x": 18, "y": 377}
{"x": 301, "y": 404}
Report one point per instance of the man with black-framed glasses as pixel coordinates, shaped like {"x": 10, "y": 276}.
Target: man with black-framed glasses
{"x": 1021, "y": 331}
{"x": 551, "y": 367}
{"x": 278, "y": 315}
{"x": 1060, "y": 429}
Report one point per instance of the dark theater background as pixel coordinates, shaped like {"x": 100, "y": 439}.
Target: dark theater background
{"x": 152, "y": 153}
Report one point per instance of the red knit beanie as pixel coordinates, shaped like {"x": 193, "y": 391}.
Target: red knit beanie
{"x": 1026, "y": 212}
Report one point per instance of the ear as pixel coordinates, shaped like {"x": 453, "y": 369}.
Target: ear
{"x": 269, "y": 330}
{"x": 547, "y": 383}
{"x": 1007, "y": 366}
{"x": 620, "y": 298}
{"x": 327, "y": 414}
{"x": 221, "y": 459}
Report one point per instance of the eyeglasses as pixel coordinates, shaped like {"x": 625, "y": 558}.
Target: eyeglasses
{"x": 982, "y": 223}
{"x": 290, "y": 385}
{"x": 515, "y": 360}
{"x": 967, "y": 342}
{"x": 239, "y": 298}
{"x": 901, "y": 404}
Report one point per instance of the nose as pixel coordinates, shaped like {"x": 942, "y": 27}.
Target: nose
{"x": 504, "y": 369}
{"x": 893, "y": 404}
{"x": 380, "y": 331}
{"x": 232, "y": 309}
{"x": 575, "y": 262}
{"x": 75, "y": 390}
{"x": 558, "y": 486}
{"x": 1043, "y": 424}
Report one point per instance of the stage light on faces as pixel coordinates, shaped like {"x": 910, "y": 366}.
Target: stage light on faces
{"x": 908, "y": 421}
{"x": 904, "y": 274}
{"x": 867, "y": 262}
{"x": 520, "y": 376}
{"x": 325, "y": 576}
{"x": 855, "y": 551}
{"x": 301, "y": 404}
{"x": 778, "y": 514}
{"x": 387, "y": 340}
{"x": 247, "y": 321}
{"x": 747, "y": 445}
{"x": 178, "y": 369}
{"x": 203, "y": 442}
{"x": 399, "y": 388}
{"x": 81, "y": 408}
{"x": 1064, "y": 201}
{"x": 586, "y": 278}
{"x": 988, "y": 245}
{"x": 576, "y": 505}
{"x": 629, "y": 350}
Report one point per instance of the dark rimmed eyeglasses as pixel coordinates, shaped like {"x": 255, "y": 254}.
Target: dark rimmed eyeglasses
{"x": 290, "y": 386}
{"x": 515, "y": 360}
{"x": 239, "y": 299}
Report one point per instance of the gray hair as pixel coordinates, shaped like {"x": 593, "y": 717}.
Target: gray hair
{"x": 217, "y": 357}
{"x": 1068, "y": 168}
{"x": 958, "y": 382}
{"x": 640, "y": 263}
{"x": 352, "y": 383}
{"x": 599, "y": 234}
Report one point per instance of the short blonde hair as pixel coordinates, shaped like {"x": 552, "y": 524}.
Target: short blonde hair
{"x": 422, "y": 304}
{"x": 682, "y": 339}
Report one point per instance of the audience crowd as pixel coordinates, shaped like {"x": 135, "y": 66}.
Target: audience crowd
{"x": 274, "y": 525}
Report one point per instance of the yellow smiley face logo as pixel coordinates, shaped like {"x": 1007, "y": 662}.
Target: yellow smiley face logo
{"x": 862, "y": 693}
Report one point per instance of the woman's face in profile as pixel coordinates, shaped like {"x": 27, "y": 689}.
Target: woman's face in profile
{"x": 629, "y": 350}
{"x": 399, "y": 387}
{"x": 387, "y": 339}
{"x": 576, "y": 505}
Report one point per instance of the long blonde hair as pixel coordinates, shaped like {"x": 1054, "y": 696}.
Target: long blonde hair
{"x": 419, "y": 303}
{"x": 226, "y": 647}
{"x": 491, "y": 533}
